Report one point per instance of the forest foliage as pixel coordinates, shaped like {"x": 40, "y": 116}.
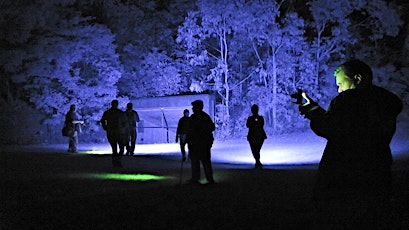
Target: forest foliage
{"x": 87, "y": 52}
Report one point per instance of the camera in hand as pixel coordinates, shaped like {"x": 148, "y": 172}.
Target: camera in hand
{"x": 299, "y": 99}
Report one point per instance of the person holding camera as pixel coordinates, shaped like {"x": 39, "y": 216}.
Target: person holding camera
{"x": 256, "y": 134}
{"x": 354, "y": 174}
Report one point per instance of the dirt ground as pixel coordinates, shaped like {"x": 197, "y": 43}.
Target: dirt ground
{"x": 63, "y": 191}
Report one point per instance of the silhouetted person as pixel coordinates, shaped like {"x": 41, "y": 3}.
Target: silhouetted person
{"x": 72, "y": 123}
{"x": 256, "y": 134}
{"x": 133, "y": 118}
{"x": 200, "y": 140}
{"x": 115, "y": 123}
{"x": 181, "y": 132}
{"x": 354, "y": 175}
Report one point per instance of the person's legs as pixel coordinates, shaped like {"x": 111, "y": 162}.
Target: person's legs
{"x": 258, "y": 149}
{"x": 70, "y": 144}
{"x": 75, "y": 142}
{"x": 182, "y": 143}
{"x": 255, "y": 150}
{"x": 195, "y": 163}
{"x": 128, "y": 145}
{"x": 133, "y": 141}
{"x": 121, "y": 143}
{"x": 207, "y": 166}
{"x": 113, "y": 141}
{"x": 118, "y": 158}
{"x": 182, "y": 148}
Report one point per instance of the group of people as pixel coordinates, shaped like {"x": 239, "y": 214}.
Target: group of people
{"x": 354, "y": 174}
{"x": 120, "y": 127}
{"x": 186, "y": 133}
{"x": 196, "y": 132}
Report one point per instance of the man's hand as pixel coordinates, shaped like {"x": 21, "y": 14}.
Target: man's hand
{"x": 308, "y": 105}
{"x": 307, "y": 98}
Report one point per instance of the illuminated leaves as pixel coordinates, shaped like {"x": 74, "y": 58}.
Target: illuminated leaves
{"x": 72, "y": 61}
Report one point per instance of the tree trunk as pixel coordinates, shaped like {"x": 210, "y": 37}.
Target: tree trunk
{"x": 274, "y": 89}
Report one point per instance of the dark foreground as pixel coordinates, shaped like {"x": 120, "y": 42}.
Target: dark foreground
{"x": 57, "y": 191}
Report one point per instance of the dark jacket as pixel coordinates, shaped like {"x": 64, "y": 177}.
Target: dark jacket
{"x": 255, "y": 124}
{"x": 132, "y": 117}
{"x": 115, "y": 120}
{"x": 359, "y": 125}
{"x": 200, "y": 133}
{"x": 183, "y": 126}
{"x": 69, "y": 118}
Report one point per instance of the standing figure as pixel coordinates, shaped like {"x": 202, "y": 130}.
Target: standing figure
{"x": 354, "y": 175}
{"x": 133, "y": 118}
{"x": 256, "y": 134}
{"x": 181, "y": 132}
{"x": 72, "y": 123}
{"x": 200, "y": 140}
{"x": 115, "y": 122}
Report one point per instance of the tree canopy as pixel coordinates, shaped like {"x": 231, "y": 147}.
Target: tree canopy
{"x": 88, "y": 52}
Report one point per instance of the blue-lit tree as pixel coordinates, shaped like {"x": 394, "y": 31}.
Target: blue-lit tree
{"x": 145, "y": 32}
{"x": 278, "y": 61}
{"x": 340, "y": 27}
{"x": 283, "y": 58}
{"x": 330, "y": 28}
{"x": 157, "y": 76}
{"x": 90, "y": 51}
{"x": 66, "y": 59}
{"x": 206, "y": 34}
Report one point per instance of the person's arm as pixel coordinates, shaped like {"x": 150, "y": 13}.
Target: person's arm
{"x": 336, "y": 121}
{"x": 212, "y": 126}
{"x": 248, "y": 122}
{"x": 317, "y": 116}
{"x": 178, "y": 131}
{"x": 136, "y": 116}
{"x": 104, "y": 121}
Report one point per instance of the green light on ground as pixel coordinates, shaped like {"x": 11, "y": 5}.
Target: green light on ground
{"x": 96, "y": 152}
{"x": 128, "y": 177}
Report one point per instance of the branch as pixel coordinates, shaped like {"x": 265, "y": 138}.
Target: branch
{"x": 236, "y": 85}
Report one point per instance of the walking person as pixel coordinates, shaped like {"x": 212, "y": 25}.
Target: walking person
{"x": 200, "y": 140}
{"x": 181, "y": 132}
{"x": 256, "y": 134}
{"x": 353, "y": 184}
{"x": 115, "y": 123}
{"x": 133, "y": 118}
{"x": 73, "y": 125}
